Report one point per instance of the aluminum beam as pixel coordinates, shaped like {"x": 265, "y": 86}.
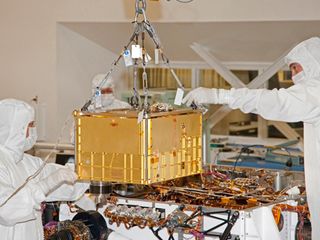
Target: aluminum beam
{"x": 213, "y": 62}
{"x": 235, "y": 82}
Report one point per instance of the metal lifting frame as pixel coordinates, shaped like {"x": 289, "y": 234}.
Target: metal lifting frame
{"x": 235, "y": 82}
{"x": 140, "y": 27}
{"x": 229, "y": 221}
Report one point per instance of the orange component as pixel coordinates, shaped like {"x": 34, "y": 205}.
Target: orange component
{"x": 277, "y": 209}
{"x": 253, "y": 201}
{"x": 225, "y": 200}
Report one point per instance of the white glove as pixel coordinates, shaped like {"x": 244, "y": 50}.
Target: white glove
{"x": 57, "y": 178}
{"x": 207, "y": 96}
{"x": 293, "y": 191}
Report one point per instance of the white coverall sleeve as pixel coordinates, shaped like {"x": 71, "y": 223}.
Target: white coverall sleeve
{"x": 65, "y": 192}
{"x": 20, "y": 208}
{"x": 293, "y": 104}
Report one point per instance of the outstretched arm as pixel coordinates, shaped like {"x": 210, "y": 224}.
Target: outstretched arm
{"x": 293, "y": 104}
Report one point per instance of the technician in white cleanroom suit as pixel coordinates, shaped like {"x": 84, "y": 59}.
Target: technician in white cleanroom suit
{"x": 20, "y": 215}
{"x": 300, "y": 102}
{"x": 106, "y": 101}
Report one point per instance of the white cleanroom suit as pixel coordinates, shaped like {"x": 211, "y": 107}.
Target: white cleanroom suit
{"x": 102, "y": 102}
{"x": 301, "y": 102}
{"x": 20, "y": 216}
{"x": 106, "y": 101}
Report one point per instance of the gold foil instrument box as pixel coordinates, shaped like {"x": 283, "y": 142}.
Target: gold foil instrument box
{"x": 114, "y": 147}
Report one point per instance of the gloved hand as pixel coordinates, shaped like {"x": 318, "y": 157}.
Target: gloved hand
{"x": 57, "y": 178}
{"x": 207, "y": 96}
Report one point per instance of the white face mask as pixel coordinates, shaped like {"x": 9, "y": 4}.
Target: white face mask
{"x": 299, "y": 77}
{"x": 107, "y": 99}
{"x": 31, "y": 139}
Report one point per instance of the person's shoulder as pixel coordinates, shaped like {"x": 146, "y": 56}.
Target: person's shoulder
{"x": 313, "y": 83}
{"x": 300, "y": 87}
{"x": 4, "y": 156}
{"x": 32, "y": 160}
{"x": 120, "y": 104}
{"x": 4, "y": 162}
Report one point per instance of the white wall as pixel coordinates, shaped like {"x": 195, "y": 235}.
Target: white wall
{"x": 28, "y": 34}
{"x": 78, "y": 61}
{"x": 197, "y": 11}
{"x": 27, "y": 54}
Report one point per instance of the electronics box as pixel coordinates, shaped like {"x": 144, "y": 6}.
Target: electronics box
{"x": 114, "y": 147}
